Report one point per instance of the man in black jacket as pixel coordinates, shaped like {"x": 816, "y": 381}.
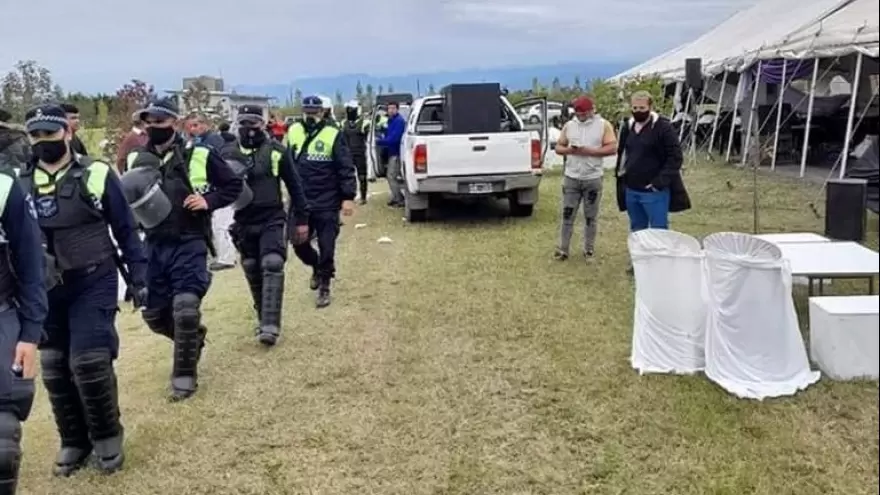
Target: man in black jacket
{"x": 354, "y": 131}
{"x": 648, "y": 166}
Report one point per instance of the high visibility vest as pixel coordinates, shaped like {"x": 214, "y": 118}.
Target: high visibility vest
{"x": 7, "y": 277}
{"x": 274, "y": 158}
{"x": 197, "y": 169}
{"x": 321, "y": 147}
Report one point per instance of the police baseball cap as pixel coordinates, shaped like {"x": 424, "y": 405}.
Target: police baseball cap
{"x": 164, "y": 108}
{"x": 46, "y": 118}
{"x": 250, "y": 113}
{"x": 312, "y": 103}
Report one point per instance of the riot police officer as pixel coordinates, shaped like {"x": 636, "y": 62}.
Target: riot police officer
{"x": 258, "y": 231}
{"x": 354, "y": 130}
{"x": 22, "y": 314}
{"x": 76, "y": 198}
{"x": 173, "y": 188}
{"x": 329, "y": 183}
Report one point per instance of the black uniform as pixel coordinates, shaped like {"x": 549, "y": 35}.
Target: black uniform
{"x": 23, "y": 310}
{"x": 75, "y": 205}
{"x": 259, "y": 228}
{"x": 354, "y": 131}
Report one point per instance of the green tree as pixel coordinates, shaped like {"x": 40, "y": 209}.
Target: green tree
{"x": 536, "y": 86}
{"x": 338, "y": 103}
{"x": 390, "y": 88}
{"x": 381, "y": 90}
{"x": 28, "y": 84}
{"x": 359, "y": 93}
{"x": 297, "y": 101}
{"x": 370, "y": 96}
{"x": 431, "y": 90}
{"x": 556, "y": 87}
{"x": 577, "y": 84}
{"x": 128, "y": 99}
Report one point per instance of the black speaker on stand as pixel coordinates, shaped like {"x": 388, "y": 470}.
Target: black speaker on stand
{"x": 693, "y": 73}
{"x": 846, "y": 202}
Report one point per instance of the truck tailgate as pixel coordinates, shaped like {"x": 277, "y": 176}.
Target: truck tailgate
{"x": 479, "y": 154}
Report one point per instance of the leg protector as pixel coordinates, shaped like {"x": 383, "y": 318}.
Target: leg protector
{"x": 323, "y": 298}
{"x": 254, "y": 277}
{"x": 159, "y": 321}
{"x": 187, "y": 345}
{"x": 68, "y": 412}
{"x": 273, "y": 295}
{"x": 96, "y": 380}
{"x": 10, "y": 452}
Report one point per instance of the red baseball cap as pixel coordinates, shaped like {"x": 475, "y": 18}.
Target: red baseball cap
{"x": 583, "y": 104}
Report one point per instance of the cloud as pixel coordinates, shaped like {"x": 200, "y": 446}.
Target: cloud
{"x": 97, "y": 45}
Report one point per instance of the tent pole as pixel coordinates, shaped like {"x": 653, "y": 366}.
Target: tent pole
{"x": 696, "y": 121}
{"x": 685, "y": 114}
{"x": 739, "y": 88}
{"x": 808, "y": 124}
{"x": 676, "y": 98}
{"x": 752, "y": 110}
{"x": 779, "y": 101}
{"x": 717, "y": 113}
{"x": 852, "y": 114}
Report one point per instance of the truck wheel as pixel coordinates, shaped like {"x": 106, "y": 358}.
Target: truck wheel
{"x": 415, "y": 216}
{"x": 534, "y": 119}
{"x": 518, "y": 209}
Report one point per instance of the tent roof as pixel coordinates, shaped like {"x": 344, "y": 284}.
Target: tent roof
{"x": 765, "y": 24}
{"x": 854, "y": 27}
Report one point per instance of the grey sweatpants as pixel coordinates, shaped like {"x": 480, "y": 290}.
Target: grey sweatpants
{"x": 575, "y": 192}
{"x": 395, "y": 179}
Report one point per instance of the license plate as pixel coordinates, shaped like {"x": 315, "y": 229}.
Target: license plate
{"x": 480, "y": 188}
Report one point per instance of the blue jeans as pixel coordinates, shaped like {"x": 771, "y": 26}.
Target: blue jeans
{"x": 647, "y": 209}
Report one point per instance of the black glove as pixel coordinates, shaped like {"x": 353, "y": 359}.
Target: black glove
{"x": 137, "y": 295}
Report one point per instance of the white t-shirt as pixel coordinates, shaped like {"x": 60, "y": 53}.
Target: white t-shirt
{"x": 590, "y": 133}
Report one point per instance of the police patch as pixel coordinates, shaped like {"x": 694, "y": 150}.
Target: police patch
{"x": 30, "y": 206}
{"x": 319, "y": 146}
{"x": 47, "y": 207}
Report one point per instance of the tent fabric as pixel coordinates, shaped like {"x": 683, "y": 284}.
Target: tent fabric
{"x": 754, "y": 347}
{"x": 865, "y": 164}
{"x": 854, "y": 27}
{"x": 737, "y": 42}
{"x": 669, "y": 324}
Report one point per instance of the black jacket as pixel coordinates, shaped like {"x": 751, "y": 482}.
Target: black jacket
{"x": 660, "y": 165}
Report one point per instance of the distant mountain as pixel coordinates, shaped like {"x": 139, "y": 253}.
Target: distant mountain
{"x": 514, "y": 78}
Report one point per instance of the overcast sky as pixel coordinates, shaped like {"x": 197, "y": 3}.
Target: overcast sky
{"x": 97, "y": 45}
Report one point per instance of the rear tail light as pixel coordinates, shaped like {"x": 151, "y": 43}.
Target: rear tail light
{"x": 536, "y": 154}
{"x": 420, "y": 159}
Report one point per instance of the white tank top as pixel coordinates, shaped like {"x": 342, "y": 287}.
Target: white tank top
{"x": 588, "y": 133}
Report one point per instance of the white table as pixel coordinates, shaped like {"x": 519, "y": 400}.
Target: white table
{"x": 830, "y": 260}
{"x": 793, "y": 237}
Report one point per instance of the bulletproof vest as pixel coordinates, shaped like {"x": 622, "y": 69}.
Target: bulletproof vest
{"x": 70, "y": 212}
{"x": 184, "y": 171}
{"x": 355, "y": 138}
{"x": 263, "y": 171}
{"x": 7, "y": 277}
{"x": 317, "y": 147}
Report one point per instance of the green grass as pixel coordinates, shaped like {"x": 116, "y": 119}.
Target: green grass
{"x": 461, "y": 359}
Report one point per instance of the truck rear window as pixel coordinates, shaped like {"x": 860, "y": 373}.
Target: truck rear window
{"x": 430, "y": 120}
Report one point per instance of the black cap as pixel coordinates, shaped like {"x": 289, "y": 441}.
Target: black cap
{"x": 250, "y": 113}
{"x": 48, "y": 118}
{"x": 160, "y": 107}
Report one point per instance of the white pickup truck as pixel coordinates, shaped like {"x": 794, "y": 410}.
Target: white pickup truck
{"x": 503, "y": 164}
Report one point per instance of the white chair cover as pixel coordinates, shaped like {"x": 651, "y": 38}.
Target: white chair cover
{"x": 669, "y": 324}
{"x": 754, "y": 347}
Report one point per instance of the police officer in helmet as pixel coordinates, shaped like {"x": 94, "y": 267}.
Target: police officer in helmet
{"x": 258, "y": 231}
{"x": 193, "y": 181}
{"x": 76, "y": 199}
{"x": 325, "y": 167}
{"x": 354, "y": 130}
{"x": 23, "y": 311}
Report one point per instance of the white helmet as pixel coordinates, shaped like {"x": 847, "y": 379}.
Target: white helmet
{"x": 326, "y": 102}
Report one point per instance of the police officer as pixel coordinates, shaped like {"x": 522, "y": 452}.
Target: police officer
{"x": 23, "y": 311}
{"x": 76, "y": 198}
{"x": 194, "y": 181}
{"x": 258, "y": 231}
{"x": 354, "y": 130}
{"x": 328, "y": 176}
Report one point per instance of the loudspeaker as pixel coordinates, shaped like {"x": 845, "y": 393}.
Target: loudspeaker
{"x": 471, "y": 108}
{"x": 693, "y": 73}
{"x": 846, "y": 202}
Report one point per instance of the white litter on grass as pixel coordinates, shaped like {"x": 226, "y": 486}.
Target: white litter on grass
{"x": 360, "y": 225}
{"x": 380, "y": 193}
{"x": 384, "y": 240}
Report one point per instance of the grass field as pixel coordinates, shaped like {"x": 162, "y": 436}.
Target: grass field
{"x": 461, "y": 359}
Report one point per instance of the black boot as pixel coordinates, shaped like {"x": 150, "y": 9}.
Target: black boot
{"x": 362, "y": 182}
{"x": 313, "y": 281}
{"x": 273, "y": 297}
{"x": 254, "y": 276}
{"x": 96, "y": 380}
{"x": 188, "y": 342}
{"x": 323, "y": 299}
{"x": 10, "y": 452}
{"x": 68, "y": 412}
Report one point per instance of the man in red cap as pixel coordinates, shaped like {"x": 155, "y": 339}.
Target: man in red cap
{"x": 584, "y": 142}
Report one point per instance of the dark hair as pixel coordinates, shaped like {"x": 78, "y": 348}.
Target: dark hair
{"x": 5, "y": 116}
{"x": 69, "y": 108}
{"x": 394, "y": 103}
{"x": 223, "y": 127}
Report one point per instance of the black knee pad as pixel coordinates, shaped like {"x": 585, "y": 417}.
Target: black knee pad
{"x": 250, "y": 265}
{"x": 272, "y": 262}
{"x": 93, "y": 364}
{"x": 10, "y": 450}
{"x": 54, "y": 362}
{"x": 186, "y": 312}
{"x": 159, "y": 321}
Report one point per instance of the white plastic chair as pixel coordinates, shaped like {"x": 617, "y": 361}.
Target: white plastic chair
{"x": 754, "y": 347}
{"x": 669, "y": 324}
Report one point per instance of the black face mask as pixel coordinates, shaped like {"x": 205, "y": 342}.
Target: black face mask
{"x": 50, "y": 152}
{"x": 351, "y": 114}
{"x": 251, "y": 138}
{"x": 641, "y": 117}
{"x": 159, "y": 135}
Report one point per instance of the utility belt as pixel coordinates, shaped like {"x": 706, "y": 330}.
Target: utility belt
{"x": 55, "y": 275}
